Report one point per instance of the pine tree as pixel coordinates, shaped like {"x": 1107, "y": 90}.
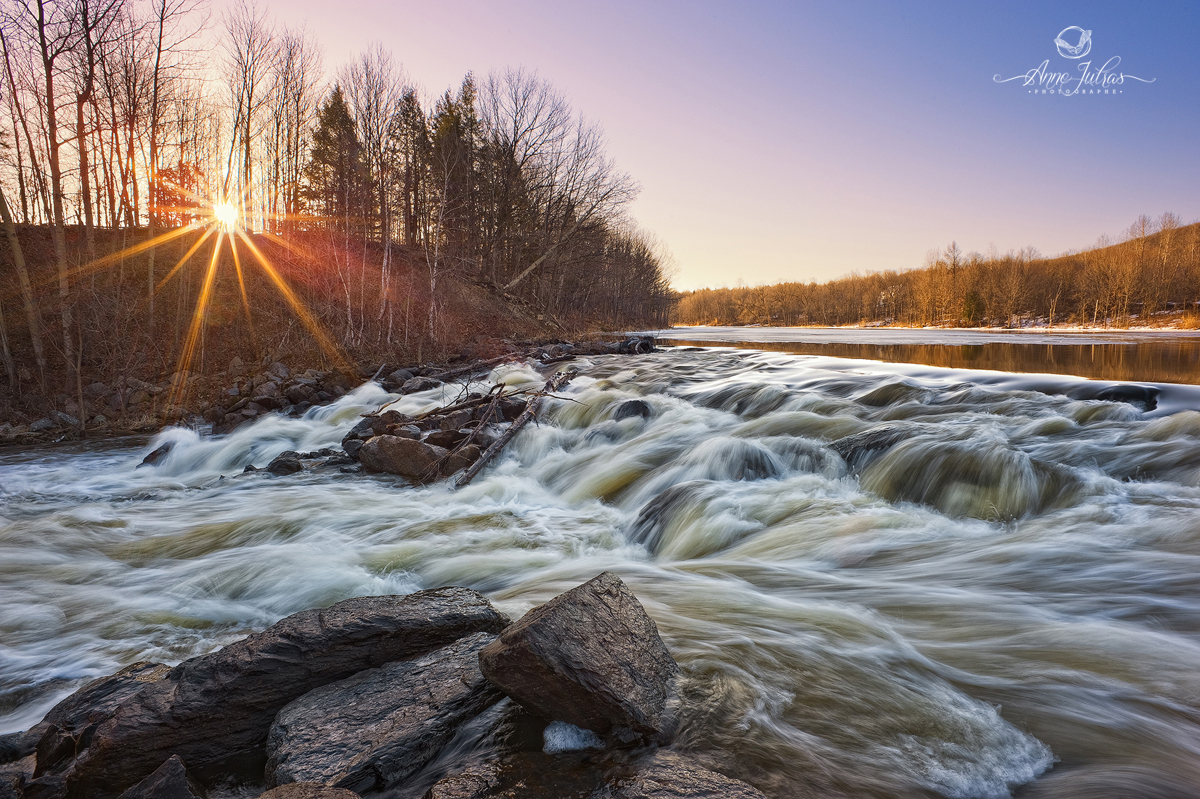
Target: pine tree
{"x": 335, "y": 175}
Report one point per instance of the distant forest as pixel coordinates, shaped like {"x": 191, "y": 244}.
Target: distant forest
{"x": 1152, "y": 273}
{"x": 383, "y": 210}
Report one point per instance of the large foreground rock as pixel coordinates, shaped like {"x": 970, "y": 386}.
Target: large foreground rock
{"x": 591, "y": 657}
{"x": 69, "y": 726}
{"x": 214, "y": 711}
{"x": 169, "y": 781}
{"x": 370, "y": 731}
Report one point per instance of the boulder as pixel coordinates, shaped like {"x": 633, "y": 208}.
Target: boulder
{"x": 285, "y": 463}
{"x": 280, "y": 371}
{"x": 308, "y": 790}
{"x": 590, "y": 657}
{"x": 69, "y": 726}
{"x": 214, "y": 711}
{"x": 670, "y": 776}
{"x": 462, "y": 459}
{"x": 406, "y": 457}
{"x": 370, "y": 731}
{"x": 168, "y": 781}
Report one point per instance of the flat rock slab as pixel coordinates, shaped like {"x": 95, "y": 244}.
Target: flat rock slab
{"x": 370, "y": 731}
{"x": 590, "y": 657}
{"x": 214, "y": 711}
{"x": 169, "y": 781}
{"x": 308, "y": 790}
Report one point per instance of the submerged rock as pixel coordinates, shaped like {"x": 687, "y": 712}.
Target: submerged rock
{"x": 591, "y": 657}
{"x": 370, "y": 731}
{"x": 631, "y": 408}
{"x": 168, "y": 781}
{"x": 860, "y": 449}
{"x": 214, "y": 711}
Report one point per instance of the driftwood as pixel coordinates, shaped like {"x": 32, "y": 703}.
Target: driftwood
{"x": 531, "y": 409}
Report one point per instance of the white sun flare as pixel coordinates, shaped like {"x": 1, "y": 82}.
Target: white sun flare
{"x": 226, "y": 214}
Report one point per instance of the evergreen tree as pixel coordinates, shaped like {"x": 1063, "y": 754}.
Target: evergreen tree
{"x": 335, "y": 174}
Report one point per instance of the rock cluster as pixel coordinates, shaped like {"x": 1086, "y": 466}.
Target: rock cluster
{"x": 362, "y": 696}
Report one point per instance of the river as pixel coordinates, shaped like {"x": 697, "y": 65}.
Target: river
{"x": 1001, "y": 578}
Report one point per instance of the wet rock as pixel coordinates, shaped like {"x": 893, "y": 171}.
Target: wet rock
{"x": 308, "y": 790}
{"x": 631, "y": 408}
{"x": 455, "y": 420}
{"x": 591, "y": 657}
{"x": 461, "y": 459}
{"x": 480, "y": 782}
{"x": 671, "y": 776}
{"x": 404, "y": 431}
{"x": 448, "y": 439}
{"x": 370, "y": 731}
{"x": 13, "y": 777}
{"x": 214, "y": 711}
{"x": 69, "y": 726}
{"x": 352, "y": 446}
{"x": 511, "y": 408}
{"x": 13, "y": 746}
{"x": 406, "y": 457}
{"x": 285, "y": 463}
{"x": 168, "y": 781}
{"x": 156, "y": 456}
{"x": 416, "y": 384}
{"x": 42, "y": 424}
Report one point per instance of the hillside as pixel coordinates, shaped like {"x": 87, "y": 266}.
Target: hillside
{"x": 1151, "y": 277}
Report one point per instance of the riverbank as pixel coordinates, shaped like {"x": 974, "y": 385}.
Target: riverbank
{"x": 241, "y": 392}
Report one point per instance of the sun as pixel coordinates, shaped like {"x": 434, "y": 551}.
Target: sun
{"x": 226, "y": 213}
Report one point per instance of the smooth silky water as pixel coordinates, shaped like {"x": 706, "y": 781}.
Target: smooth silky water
{"x": 1013, "y": 586}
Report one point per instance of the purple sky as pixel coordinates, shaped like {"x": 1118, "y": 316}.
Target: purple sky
{"x": 785, "y": 141}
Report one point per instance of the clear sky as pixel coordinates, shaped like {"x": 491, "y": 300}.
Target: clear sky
{"x": 802, "y": 141}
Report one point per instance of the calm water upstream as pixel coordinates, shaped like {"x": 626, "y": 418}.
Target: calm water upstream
{"x": 1170, "y": 356}
{"x": 881, "y": 580}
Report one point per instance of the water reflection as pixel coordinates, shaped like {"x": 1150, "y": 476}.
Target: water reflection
{"x": 1176, "y": 361}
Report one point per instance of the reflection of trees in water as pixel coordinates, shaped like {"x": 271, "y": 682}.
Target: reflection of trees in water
{"x": 1160, "y": 362}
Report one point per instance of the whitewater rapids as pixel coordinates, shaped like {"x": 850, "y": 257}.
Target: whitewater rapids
{"x": 880, "y": 581}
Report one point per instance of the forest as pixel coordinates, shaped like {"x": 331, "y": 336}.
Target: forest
{"x": 1149, "y": 276}
{"x": 177, "y": 186}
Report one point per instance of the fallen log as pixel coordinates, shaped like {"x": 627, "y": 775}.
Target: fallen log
{"x": 531, "y": 408}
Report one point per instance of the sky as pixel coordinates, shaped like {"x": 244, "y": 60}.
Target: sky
{"x": 786, "y": 141}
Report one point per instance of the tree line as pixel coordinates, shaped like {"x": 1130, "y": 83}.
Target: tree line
{"x": 1151, "y": 273}
{"x": 122, "y": 126}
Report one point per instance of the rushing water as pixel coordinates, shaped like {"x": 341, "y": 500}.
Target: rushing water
{"x": 880, "y": 581}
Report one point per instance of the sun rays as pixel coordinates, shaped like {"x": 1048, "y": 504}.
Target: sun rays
{"x": 220, "y": 222}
